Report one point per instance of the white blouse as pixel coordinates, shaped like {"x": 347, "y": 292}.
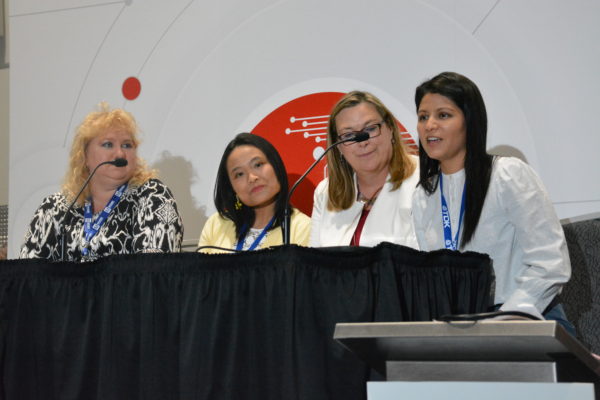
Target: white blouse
{"x": 389, "y": 220}
{"x": 518, "y": 228}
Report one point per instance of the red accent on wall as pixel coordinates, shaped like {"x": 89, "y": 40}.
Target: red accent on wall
{"x": 296, "y": 129}
{"x": 131, "y": 88}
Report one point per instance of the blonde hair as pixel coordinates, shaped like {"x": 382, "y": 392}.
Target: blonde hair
{"x": 94, "y": 124}
{"x": 342, "y": 191}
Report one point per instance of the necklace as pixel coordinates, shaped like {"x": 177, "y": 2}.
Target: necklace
{"x": 256, "y": 239}
{"x": 368, "y": 201}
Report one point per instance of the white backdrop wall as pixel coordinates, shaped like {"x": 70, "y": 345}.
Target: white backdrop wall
{"x": 210, "y": 69}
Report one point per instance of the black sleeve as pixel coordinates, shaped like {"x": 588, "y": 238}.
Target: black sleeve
{"x": 42, "y": 237}
{"x": 157, "y": 226}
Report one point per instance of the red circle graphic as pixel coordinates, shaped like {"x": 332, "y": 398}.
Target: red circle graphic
{"x": 131, "y": 88}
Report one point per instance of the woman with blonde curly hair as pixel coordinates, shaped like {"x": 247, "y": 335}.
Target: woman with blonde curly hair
{"x": 367, "y": 197}
{"x": 123, "y": 210}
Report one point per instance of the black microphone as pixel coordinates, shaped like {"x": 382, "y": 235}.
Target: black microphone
{"x": 287, "y": 220}
{"x": 117, "y": 162}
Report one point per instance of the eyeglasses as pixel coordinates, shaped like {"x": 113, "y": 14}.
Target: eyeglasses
{"x": 372, "y": 130}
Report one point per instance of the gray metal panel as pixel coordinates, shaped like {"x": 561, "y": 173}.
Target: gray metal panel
{"x": 477, "y": 371}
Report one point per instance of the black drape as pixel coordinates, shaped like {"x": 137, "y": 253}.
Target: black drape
{"x": 253, "y": 325}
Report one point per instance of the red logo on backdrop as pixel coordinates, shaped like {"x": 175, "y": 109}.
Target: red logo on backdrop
{"x": 131, "y": 88}
{"x": 298, "y": 130}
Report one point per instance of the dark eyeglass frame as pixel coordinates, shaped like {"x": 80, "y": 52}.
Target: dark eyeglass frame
{"x": 369, "y": 129}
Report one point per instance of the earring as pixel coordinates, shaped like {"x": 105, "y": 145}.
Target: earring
{"x": 238, "y": 203}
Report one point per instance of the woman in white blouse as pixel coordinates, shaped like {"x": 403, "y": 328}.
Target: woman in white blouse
{"x": 366, "y": 198}
{"x": 470, "y": 200}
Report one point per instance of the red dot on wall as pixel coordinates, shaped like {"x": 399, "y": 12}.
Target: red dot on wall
{"x": 131, "y": 88}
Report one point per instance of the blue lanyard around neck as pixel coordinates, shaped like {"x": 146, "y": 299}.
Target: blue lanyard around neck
{"x": 240, "y": 243}
{"x": 450, "y": 243}
{"x": 91, "y": 226}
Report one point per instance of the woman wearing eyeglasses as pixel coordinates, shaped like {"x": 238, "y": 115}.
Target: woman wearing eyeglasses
{"x": 366, "y": 199}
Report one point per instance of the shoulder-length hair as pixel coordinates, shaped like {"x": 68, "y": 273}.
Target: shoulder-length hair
{"x": 224, "y": 195}
{"x": 478, "y": 163}
{"x": 95, "y": 124}
{"x": 342, "y": 190}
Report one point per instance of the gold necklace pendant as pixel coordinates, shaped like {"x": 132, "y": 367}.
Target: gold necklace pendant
{"x": 368, "y": 202}
{"x": 365, "y": 200}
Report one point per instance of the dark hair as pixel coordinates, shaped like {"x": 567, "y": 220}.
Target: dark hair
{"x": 478, "y": 163}
{"x": 224, "y": 194}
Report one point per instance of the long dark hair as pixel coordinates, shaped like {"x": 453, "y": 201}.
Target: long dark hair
{"x": 478, "y": 163}
{"x": 224, "y": 194}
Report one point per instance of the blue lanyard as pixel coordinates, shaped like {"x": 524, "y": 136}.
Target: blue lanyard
{"x": 450, "y": 243}
{"x": 92, "y": 226}
{"x": 240, "y": 243}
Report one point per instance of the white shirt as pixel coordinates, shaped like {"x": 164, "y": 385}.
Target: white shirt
{"x": 251, "y": 236}
{"x": 518, "y": 228}
{"x": 389, "y": 220}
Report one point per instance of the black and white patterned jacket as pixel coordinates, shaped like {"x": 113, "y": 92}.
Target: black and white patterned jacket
{"x": 145, "y": 220}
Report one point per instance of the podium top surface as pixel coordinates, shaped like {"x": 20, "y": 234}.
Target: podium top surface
{"x": 463, "y": 341}
{"x": 445, "y": 329}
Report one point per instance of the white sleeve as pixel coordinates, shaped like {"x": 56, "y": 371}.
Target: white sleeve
{"x": 418, "y": 203}
{"x": 319, "y": 203}
{"x": 539, "y": 235}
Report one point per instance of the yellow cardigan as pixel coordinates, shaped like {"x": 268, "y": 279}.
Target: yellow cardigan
{"x": 219, "y": 231}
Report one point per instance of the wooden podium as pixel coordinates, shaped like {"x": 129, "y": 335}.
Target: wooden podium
{"x": 482, "y": 351}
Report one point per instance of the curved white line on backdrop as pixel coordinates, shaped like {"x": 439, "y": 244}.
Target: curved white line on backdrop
{"x": 24, "y": 8}
{"x": 518, "y": 133}
{"x": 76, "y": 104}
{"x": 165, "y": 32}
{"x": 122, "y": 54}
{"x": 196, "y": 63}
{"x": 177, "y": 55}
{"x": 470, "y": 14}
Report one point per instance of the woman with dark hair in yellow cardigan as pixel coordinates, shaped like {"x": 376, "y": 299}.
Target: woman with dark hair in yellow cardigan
{"x": 250, "y": 197}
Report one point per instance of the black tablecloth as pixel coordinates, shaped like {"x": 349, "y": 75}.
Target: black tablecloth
{"x": 254, "y": 325}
